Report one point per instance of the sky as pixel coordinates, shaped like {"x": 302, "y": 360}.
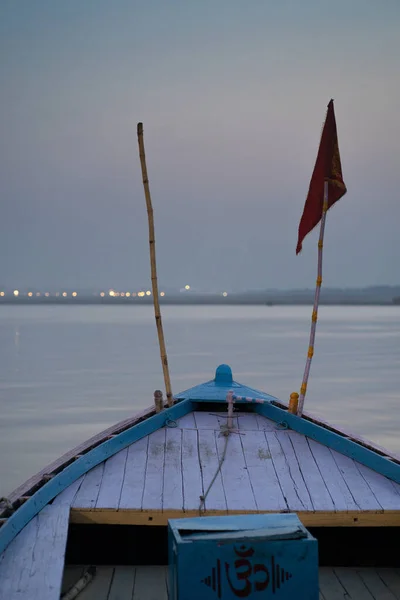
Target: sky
{"x": 232, "y": 96}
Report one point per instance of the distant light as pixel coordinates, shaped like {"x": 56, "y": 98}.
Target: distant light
{"x": 16, "y": 293}
{"x": 102, "y": 294}
{"x": 2, "y": 294}
{"x": 65, "y": 294}
{"x": 30, "y": 294}
{"x": 162, "y": 293}
{"x": 127, "y": 294}
{"x": 122, "y": 294}
{"x": 47, "y": 294}
{"x": 38, "y": 294}
{"x": 111, "y": 293}
{"x": 74, "y": 294}
{"x": 134, "y": 294}
{"x": 225, "y": 293}
{"x": 148, "y": 293}
{"x": 141, "y": 294}
{"x": 187, "y": 287}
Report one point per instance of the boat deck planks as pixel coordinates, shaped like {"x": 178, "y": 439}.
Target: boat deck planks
{"x": 173, "y": 485}
{"x": 208, "y": 458}
{"x": 135, "y": 470}
{"x": 263, "y": 478}
{"x": 359, "y": 488}
{"x": 288, "y": 471}
{"x": 235, "y": 476}
{"x": 191, "y": 473}
{"x": 265, "y": 469}
{"x": 312, "y": 476}
{"x": 113, "y": 478}
{"x": 150, "y": 583}
{"x": 32, "y": 565}
{"x": 122, "y": 584}
{"x": 153, "y": 482}
{"x": 88, "y": 492}
{"x": 333, "y": 478}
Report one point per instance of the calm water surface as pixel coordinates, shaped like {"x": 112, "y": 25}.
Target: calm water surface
{"x": 67, "y": 372}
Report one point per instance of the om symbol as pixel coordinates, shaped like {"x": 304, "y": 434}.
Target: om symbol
{"x": 244, "y": 571}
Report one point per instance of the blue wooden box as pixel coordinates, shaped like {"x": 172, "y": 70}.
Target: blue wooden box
{"x": 243, "y": 556}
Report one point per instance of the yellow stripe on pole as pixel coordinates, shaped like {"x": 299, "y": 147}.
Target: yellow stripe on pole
{"x": 310, "y": 352}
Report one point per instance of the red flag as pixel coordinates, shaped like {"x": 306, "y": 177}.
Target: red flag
{"x": 327, "y": 167}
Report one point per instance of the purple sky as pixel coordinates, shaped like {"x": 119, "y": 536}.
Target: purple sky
{"x": 232, "y": 95}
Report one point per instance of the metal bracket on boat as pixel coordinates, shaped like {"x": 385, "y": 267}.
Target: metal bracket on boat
{"x": 282, "y": 425}
{"x": 170, "y": 423}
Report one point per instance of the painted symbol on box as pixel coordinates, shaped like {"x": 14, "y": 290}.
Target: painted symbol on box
{"x": 244, "y": 577}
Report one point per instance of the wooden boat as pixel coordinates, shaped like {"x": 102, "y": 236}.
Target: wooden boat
{"x": 107, "y": 502}
{"x": 93, "y": 524}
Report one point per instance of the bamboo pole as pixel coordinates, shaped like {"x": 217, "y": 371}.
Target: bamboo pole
{"x": 314, "y": 317}
{"x": 154, "y": 283}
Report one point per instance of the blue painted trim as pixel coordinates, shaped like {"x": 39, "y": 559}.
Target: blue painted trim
{"x": 60, "y": 482}
{"x": 217, "y": 389}
{"x": 333, "y": 440}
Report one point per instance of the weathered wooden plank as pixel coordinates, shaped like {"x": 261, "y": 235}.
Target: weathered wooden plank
{"x": 330, "y": 585}
{"x": 235, "y": 478}
{"x": 287, "y": 469}
{"x": 209, "y": 464}
{"x": 70, "y": 577}
{"x": 266, "y": 488}
{"x": 265, "y": 424}
{"x": 150, "y": 583}
{"x": 206, "y": 420}
{"x": 16, "y": 558}
{"x": 391, "y": 578}
{"x": 352, "y": 583}
{"x": 187, "y": 422}
{"x": 69, "y": 494}
{"x": 247, "y": 421}
{"x": 333, "y": 478}
{"x": 375, "y": 585}
{"x": 42, "y": 571}
{"x": 99, "y": 587}
{"x": 173, "y": 487}
{"x": 135, "y": 469}
{"x": 356, "y": 483}
{"x": 317, "y": 489}
{"x": 191, "y": 473}
{"x": 122, "y": 583}
{"x": 111, "y": 483}
{"x": 153, "y": 487}
{"x": 382, "y": 488}
{"x": 89, "y": 490}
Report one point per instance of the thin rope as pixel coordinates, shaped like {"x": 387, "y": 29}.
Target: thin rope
{"x": 203, "y": 498}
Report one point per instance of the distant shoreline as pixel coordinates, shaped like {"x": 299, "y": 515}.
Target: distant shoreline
{"x": 189, "y": 302}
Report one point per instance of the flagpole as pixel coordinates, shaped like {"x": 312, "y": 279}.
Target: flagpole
{"x": 154, "y": 283}
{"x": 314, "y": 316}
